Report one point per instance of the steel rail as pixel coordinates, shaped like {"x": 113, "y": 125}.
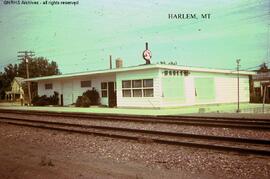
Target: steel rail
{"x": 172, "y": 117}
{"x": 254, "y": 125}
{"x": 49, "y": 125}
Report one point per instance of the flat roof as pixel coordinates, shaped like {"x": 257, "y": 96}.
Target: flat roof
{"x": 140, "y": 67}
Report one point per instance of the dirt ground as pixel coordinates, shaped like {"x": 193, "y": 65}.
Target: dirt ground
{"x": 29, "y": 153}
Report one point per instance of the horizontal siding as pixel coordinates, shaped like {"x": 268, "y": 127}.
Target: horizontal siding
{"x": 71, "y": 88}
{"x": 42, "y": 91}
{"x": 225, "y": 90}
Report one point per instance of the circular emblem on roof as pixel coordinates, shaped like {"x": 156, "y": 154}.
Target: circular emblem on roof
{"x": 147, "y": 55}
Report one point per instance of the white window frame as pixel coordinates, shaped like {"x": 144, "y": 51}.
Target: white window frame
{"x": 134, "y": 87}
{"x": 86, "y": 81}
{"x": 46, "y": 86}
{"x": 104, "y": 89}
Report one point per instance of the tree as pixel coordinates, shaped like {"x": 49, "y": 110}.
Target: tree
{"x": 38, "y": 67}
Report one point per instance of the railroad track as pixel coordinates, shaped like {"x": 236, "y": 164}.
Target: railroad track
{"x": 254, "y": 124}
{"x": 231, "y": 144}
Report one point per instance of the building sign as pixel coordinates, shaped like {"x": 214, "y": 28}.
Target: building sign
{"x": 176, "y": 73}
{"x": 147, "y": 55}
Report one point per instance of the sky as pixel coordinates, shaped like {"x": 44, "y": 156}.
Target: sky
{"x": 81, "y": 37}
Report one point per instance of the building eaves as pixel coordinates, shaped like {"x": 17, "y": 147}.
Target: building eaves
{"x": 140, "y": 67}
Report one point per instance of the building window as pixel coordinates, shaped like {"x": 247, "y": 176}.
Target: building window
{"x": 137, "y": 93}
{"x": 104, "y": 89}
{"x": 126, "y": 93}
{"x": 136, "y": 83}
{"x": 85, "y": 84}
{"x": 138, "y": 88}
{"x": 148, "y": 83}
{"x": 48, "y": 86}
{"x": 126, "y": 84}
{"x": 148, "y": 93}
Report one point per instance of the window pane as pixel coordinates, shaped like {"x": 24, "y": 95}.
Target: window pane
{"x": 126, "y": 84}
{"x": 104, "y": 94}
{"x": 148, "y": 83}
{"x": 137, "y": 93}
{"x": 48, "y": 86}
{"x": 148, "y": 92}
{"x": 136, "y": 83}
{"x": 85, "y": 84}
{"x": 103, "y": 85}
{"x": 126, "y": 93}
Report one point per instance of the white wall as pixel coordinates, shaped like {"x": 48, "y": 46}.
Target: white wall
{"x": 71, "y": 87}
{"x": 225, "y": 89}
{"x": 43, "y": 91}
{"x": 152, "y": 102}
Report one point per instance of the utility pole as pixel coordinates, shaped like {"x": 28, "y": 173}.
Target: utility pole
{"x": 26, "y": 55}
{"x": 238, "y": 94}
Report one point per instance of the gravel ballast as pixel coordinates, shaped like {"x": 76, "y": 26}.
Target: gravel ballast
{"x": 216, "y": 131}
{"x": 195, "y": 162}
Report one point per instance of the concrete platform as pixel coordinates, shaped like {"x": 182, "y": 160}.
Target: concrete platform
{"x": 206, "y": 110}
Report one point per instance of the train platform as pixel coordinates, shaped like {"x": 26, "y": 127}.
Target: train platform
{"x": 228, "y": 110}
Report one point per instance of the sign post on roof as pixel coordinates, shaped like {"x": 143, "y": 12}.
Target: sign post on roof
{"x": 147, "y": 55}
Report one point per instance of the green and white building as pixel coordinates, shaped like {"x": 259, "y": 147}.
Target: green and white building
{"x": 151, "y": 86}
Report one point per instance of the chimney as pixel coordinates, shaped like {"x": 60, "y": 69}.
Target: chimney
{"x": 118, "y": 63}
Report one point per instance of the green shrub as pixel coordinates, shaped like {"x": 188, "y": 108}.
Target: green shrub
{"x": 45, "y": 101}
{"x": 54, "y": 99}
{"x": 41, "y": 101}
{"x": 83, "y": 101}
{"x": 93, "y": 95}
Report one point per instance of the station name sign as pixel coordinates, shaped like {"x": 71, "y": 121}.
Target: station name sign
{"x": 176, "y": 73}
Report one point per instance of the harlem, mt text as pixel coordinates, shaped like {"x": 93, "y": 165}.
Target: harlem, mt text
{"x": 188, "y": 16}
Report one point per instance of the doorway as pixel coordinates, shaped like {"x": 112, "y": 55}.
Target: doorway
{"x": 111, "y": 94}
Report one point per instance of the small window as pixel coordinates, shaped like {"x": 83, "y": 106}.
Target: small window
{"x": 137, "y": 93}
{"x": 148, "y": 92}
{"x": 85, "y": 84}
{"x": 126, "y": 93}
{"x": 103, "y": 85}
{"x": 148, "y": 83}
{"x": 136, "y": 83}
{"x": 104, "y": 93}
{"x": 104, "y": 89}
{"x": 48, "y": 86}
{"x": 126, "y": 84}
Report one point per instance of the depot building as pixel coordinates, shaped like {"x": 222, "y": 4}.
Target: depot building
{"x": 150, "y": 85}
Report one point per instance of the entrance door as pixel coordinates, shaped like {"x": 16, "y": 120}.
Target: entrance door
{"x": 67, "y": 93}
{"x": 111, "y": 94}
